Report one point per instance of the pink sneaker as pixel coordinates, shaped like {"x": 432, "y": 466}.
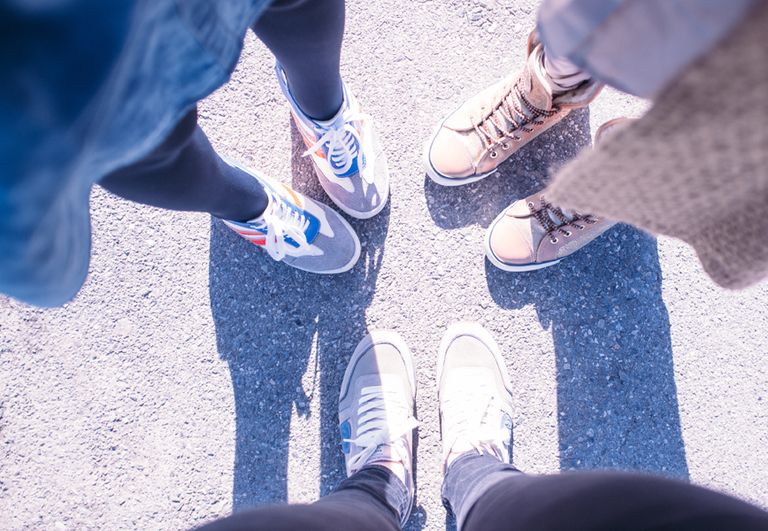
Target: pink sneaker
{"x": 472, "y": 141}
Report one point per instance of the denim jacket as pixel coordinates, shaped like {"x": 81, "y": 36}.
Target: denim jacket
{"x": 89, "y": 86}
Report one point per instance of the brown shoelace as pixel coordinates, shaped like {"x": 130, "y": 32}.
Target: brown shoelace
{"x": 515, "y": 114}
{"x": 553, "y": 228}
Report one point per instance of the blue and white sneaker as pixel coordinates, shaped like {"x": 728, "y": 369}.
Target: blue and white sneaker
{"x": 300, "y": 232}
{"x": 376, "y": 406}
{"x": 348, "y": 158}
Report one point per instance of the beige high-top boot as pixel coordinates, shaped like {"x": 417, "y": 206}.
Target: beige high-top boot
{"x": 472, "y": 141}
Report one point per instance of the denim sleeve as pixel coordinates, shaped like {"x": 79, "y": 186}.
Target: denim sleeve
{"x": 637, "y": 46}
{"x": 89, "y": 86}
{"x": 54, "y": 59}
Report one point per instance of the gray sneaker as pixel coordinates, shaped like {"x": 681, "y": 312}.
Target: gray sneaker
{"x": 300, "y": 232}
{"x": 473, "y": 391}
{"x": 348, "y": 158}
{"x": 376, "y": 406}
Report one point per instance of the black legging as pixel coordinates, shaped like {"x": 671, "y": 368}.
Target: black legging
{"x": 574, "y": 501}
{"x": 305, "y": 37}
{"x": 185, "y": 173}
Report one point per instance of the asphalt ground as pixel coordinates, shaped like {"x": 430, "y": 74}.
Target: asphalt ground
{"x": 192, "y": 376}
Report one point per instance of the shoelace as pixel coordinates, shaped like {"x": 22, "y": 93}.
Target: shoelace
{"x": 383, "y": 418}
{"x": 344, "y": 145}
{"x": 510, "y": 109}
{"x": 470, "y": 423}
{"x": 545, "y": 213}
{"x": 283, "y": 221}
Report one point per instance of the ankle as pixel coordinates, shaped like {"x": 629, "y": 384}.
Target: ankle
{"x": 561, "y": 75}
{"x": 463, "y": 450}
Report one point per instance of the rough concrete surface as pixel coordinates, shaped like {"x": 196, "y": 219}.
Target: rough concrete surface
{"x": 193, "y": 376}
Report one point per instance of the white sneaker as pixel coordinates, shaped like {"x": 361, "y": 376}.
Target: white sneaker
{"x": 376, "y": 405}
{"x": 298, "y": 231}
{"x": 349, "y": 160}
{"x": 473, "y": 390}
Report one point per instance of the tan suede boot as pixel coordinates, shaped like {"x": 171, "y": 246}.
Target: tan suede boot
{"x": 533, "y": 233}
{"x": 472, "y": 141}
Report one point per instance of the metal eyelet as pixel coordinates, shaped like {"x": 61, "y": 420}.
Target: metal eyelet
{"x": 554, "y": 240}
{"x": 494, "y": 154}
{"x": 516, "y": 138}
{"x": 530, "y": 204}
{"x": 504, "y": 146}
{"x": 568, "y": 234}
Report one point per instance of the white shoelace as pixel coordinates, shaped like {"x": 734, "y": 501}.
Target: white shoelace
{"x": 345, "y": 145}
{"x": 471, "y": 419}
{"x": 282, "y": 221}
{"x": 384, "y": 417}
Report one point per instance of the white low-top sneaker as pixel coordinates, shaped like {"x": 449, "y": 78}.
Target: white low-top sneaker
{"x": 298, "y": 231}
{"x": 349, "y": 160}
{"x": 376, "y": 407}
{"x": 474, "y": 396}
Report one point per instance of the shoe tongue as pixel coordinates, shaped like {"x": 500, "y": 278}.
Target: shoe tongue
{"x": 390, "y": 451}
{"x": 534, "y": 84}
{"x": 382, "y": 453}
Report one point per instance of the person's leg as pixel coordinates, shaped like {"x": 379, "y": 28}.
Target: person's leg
{"x": 561, "y": 73}
{"x": 369, "y": 500}
{"x": 475, "y": 416}
{"x": 603, "y": 501}
{"x": 186, "y": 173}
{"x": 486, "y": 493}
{"x": 305, "y": 37}
{"x": 637, "y": 46}
{"x": 469, "y": 478}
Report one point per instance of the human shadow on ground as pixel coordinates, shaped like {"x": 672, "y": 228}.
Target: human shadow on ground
{"x": 616, "y": 392}
{"x": 617, "y": 399}
{"x": 271, "y": 321}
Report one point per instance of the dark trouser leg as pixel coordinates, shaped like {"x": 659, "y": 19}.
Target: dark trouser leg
{"x": 469, "y": 477}
{"x": 305, "y": 37}
{"x": 370, "y": 500}
{"x": 590, "y": 501}
{"x": 185, "y": 173}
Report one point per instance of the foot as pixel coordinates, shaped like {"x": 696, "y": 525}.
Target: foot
{"x": 533, "y": 233}
{"x": 376, "y": 405}
{"x": 348, "y": 159}
{"x": 300, "y": 232}
{"x": 471, "y": 142}
{"x": 474, "y": 396}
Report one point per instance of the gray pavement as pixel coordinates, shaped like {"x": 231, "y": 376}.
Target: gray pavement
{"x": 193, "y": 376}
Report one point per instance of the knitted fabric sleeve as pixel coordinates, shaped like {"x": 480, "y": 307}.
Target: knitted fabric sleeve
{"x": 695, "y": 167}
